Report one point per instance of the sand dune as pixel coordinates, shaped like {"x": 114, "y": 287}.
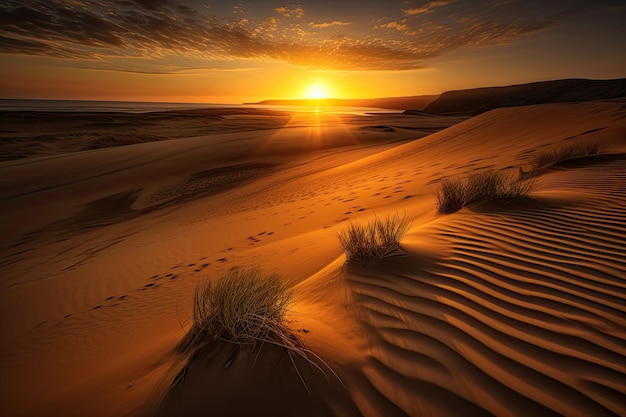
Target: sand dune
{"x": 505, "y": 308}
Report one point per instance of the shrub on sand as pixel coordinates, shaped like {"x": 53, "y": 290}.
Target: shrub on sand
{"x": 456, "y": 193}
{"x": 452, "y": 196}
{"x": 377, "y": 239}
{"x": 246, "y": 307}
{"x": 546, "y": 159}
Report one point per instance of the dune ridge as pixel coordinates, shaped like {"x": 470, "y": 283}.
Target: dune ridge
{"x": 508, "y": 307}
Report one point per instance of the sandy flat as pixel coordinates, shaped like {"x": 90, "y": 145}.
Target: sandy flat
{"x": 505, "y": 308}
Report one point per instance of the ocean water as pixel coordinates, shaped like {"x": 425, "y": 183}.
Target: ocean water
{"x": 98, "y": 106}
{"x": 145, "y": 107}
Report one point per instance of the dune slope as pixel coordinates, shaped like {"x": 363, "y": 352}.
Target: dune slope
{"x": 505, "y": 308}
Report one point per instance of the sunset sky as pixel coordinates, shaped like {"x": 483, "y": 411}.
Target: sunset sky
{"x": 247, "y": 50}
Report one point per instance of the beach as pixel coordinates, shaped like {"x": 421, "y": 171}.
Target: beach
{"x": 507, "y": 307}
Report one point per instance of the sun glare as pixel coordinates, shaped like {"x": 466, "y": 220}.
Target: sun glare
{"x": 316, "y": 91}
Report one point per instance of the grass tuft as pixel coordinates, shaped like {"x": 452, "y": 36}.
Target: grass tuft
{"x": 546, "y": 159}
{"x": 245, "y": 307}
{"x": 377, "y": 239}
{"x": 452, "y": 196}
{"x": 456, "y": 193}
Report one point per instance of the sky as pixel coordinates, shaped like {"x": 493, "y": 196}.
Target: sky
{"x": 249, "y": 50}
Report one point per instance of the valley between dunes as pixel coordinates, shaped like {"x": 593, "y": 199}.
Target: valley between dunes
{"x": 505, "y": 308}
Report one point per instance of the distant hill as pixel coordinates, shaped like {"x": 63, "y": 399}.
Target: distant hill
{"x": 479, "y": 100}
{"x": 392, "y": 103}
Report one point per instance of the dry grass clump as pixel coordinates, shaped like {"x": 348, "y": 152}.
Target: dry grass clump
{"x": 377, "y": 239}
{"x": 246, "y": 307}
{"x": 456, "y": 193}
{"x": 452, "y": 195}
{"x": 545, "y": 159}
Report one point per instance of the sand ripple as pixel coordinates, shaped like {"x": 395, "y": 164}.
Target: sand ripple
{"x": 525, "y": 314}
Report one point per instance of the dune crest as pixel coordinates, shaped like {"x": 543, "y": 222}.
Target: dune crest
{"x": 507, "y": 307}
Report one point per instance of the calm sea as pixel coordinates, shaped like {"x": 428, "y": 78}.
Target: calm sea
{"x": 144, "y": 107}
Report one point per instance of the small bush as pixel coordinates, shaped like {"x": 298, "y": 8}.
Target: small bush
{"x": 456, "y": 193}
{"x": 377, "y": 239}
{"x": 452, "y": 196}
{"x": 485, "y": 185}
{"x": 246, "y": 307}
{"x": 545, "y": 159}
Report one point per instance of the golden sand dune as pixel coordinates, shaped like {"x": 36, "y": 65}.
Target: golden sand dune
{"x": 506, "y": 308}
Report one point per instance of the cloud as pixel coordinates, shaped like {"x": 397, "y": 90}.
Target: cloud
{"x": 324, "y": 25}
{"x": 426, "y": 8}
{"x": 101, "y": 31}
{"x": 287, "y": 11}
{"x": 150, "y": 4}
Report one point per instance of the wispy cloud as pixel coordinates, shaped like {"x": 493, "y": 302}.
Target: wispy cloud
{"x": 426, "y": 8}
{"x": 323, "y": 25}
{"x": 153, "y": 29}
{"x": 288, "y": 11}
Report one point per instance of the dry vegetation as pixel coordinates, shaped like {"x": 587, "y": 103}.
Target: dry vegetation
{"x": 546, "y": 159}
{"x": 456, "y": 193}
{"x": 245, "y": 307}
{"x": 377, "y": 239}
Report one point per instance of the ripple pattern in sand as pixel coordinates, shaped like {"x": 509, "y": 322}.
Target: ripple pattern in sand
{"x": 524, "y": 315}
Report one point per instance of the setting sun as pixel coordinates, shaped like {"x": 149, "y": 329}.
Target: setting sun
{"x": 316, "y": 91}
{"x": 323, "y": 207}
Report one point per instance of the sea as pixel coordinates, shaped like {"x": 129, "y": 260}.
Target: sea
{"x": 90, "y": 106}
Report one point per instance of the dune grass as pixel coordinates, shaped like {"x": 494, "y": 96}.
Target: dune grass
{"x": 456, "y": 193}
{"x": 246, "y": 307}
{"x": 377, "y": 239}
{"x": 545, "y": 159}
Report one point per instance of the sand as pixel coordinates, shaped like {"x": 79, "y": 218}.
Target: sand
{"x": 505, "y": 308}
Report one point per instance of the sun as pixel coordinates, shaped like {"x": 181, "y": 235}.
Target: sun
{"x": 316, "y": 91}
